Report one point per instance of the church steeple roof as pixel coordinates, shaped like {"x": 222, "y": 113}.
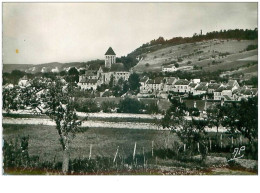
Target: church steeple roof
{"x": 110, "y": 51}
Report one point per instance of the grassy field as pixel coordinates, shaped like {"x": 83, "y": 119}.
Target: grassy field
{"x": 44, "y": 141}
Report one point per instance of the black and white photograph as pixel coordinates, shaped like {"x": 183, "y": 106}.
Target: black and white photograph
{"x": 129, "y": 88}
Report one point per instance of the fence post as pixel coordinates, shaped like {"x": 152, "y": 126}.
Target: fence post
{"x": 116, "y": 154}
{"x": 134, "y": 152}
{"x": 152, "y": 148}
{"x": 221, "y": 141}
{"x": 198, "y": 144}
{"x": 90, "y": 149}
{"x": 210, "y": 144}
{"x": 232, "y": 141}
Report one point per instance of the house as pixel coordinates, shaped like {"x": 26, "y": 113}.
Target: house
{"x": 23, "y": 81}
{"x": 192, "y": 86}
{"x": 169, "y": 83}
{"x": 201, "y": 89}
{"x": 244, "y": 93}
{"x": 88, "y": 84}
{"x": 196, "y": 80}
{"x": 144, "y": 88}
{"x": 233, "y": 84}
{"x": 169, "y": 68}
{"x": 155, "y": 84}
{"x": 90, "y": 74}
{"x": 212, "y": 87}
{"x": 182, "y": 86}
{"x": 218, "y": 93}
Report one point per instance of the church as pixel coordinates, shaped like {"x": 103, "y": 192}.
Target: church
{"x": 104, "y": 74}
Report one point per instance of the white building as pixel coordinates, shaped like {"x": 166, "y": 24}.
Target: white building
{"x": 169, "y": 68}
{"x": 182, "y": 86}
{"x": 23, "y": 81}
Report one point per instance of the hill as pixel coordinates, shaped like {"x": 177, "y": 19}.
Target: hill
{"x": 48, "y": 67}
{"x": 208, "y": 55}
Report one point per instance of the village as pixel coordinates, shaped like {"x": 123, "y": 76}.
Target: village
{"x": 158, "y": 87}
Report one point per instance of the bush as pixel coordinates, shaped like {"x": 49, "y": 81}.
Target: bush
{"x": 87, "y": 106}
{"x": 108, "y": 106}
{"x": 129, "y": 105}
{"x": 251, "y": 47}
{"x": 180, "y": 59}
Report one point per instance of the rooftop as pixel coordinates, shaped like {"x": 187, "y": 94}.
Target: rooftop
{"x": 110, "y": 51}
{"x": 182, "y": 82}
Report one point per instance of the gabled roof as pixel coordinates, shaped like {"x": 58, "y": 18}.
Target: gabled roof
{"x": 24, "y": 78}
{"x": 118, "y": 67}
{"x": 220, "y": 89}
{"x": 144, "y": 79}
{"x": 192, "y": 85}
{"x": 170, "y": 80}
{"x": 86, "y": 80}
{"x": 157, "y": 80}
{"x": 202, "y": 86}
{"x": 213, "y": 86}
{"x": 110, "y": 51}
{"x": 227, "y": 97}
{"x": 228, "y": 87}
{"x": 182, "y": 82}
{"x": 231, "y": 82}
{"x": 90, "y": 73}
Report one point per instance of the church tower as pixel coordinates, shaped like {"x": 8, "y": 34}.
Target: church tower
{"x": 110, "y": 57}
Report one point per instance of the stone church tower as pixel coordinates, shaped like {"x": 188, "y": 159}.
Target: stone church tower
{"x": 110, "y": 57}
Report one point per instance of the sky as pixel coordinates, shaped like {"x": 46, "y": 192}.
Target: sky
{"x": 35, "y": 33}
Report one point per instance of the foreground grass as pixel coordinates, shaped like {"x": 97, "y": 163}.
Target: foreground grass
{"x": 44, "y": 141}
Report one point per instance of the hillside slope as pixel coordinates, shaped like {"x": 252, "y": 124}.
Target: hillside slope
{"x": 210, "y": 55}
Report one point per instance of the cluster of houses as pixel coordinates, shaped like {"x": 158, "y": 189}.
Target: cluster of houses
{"x": 161, "y": 86}
{"x": 94, "y": 78}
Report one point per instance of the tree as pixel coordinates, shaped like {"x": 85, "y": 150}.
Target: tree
{"x": 215, "y": 115}
{"x": 134, "y": 82}
{"x": 243, "y": 118}
{"x": 190, "y": 130}
{"x": 108, "y": 106}
{"x": 111, "y": 81}
{"x": 73, "y": 75}
{"x": 129, "y": 105}
{"x": 56, "y": 101}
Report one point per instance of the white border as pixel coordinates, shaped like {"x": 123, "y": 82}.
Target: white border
{"x": 133, "y": 184}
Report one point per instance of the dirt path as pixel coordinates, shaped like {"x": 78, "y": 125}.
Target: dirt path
{"x": 93, "y": 124}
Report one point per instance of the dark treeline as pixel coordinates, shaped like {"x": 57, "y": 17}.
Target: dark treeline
{"x": 238, "y": 34}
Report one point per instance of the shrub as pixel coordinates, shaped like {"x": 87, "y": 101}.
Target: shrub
{"x": 251, "y": 47}
{"x": 129, "y": 105}
{"x": 108, "y": 106}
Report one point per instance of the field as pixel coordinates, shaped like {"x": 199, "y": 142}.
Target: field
{"x": 44, "y": 141}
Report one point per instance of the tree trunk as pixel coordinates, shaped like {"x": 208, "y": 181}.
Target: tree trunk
{"x": 65, "y": 163}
